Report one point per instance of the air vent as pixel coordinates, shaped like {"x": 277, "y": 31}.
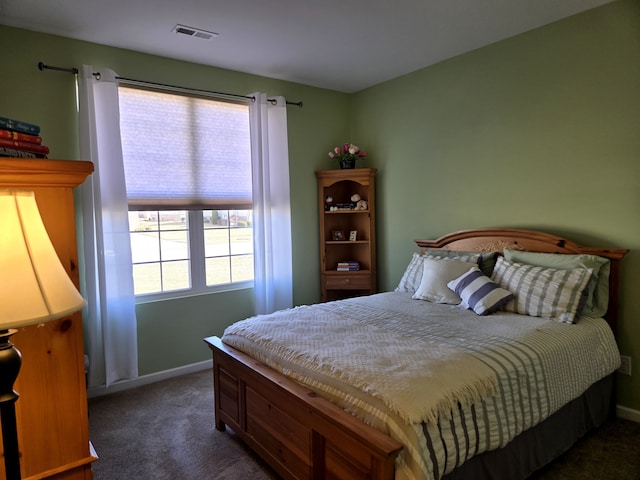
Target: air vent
{"x": 194, "y": 32}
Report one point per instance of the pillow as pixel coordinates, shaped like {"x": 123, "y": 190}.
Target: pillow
{"x": 436, "y": 273}
{"x": 455, "y": 254}
{"x": 543, "y": 292}
{"x": 486, "y": 260}
{"x": 598, "y": 288}
{"x": 413, "y": 273}
{"x": 479, "y": 293}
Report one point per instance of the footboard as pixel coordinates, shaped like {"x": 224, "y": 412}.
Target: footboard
{"x": 300, "y": 434}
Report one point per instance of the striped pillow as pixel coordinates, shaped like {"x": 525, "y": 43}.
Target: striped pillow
{"x": 479, "y": 293}
{"x": 412, "y": 275}
{"x": 543, "y": 292}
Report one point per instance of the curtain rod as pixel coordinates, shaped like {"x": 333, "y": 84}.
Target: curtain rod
{"x": 73, "y": 70}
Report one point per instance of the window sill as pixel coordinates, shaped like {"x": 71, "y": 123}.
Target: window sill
{"x": 176, "y": 294}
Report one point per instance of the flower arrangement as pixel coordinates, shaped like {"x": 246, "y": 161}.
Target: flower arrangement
{"x": 347, "y": 153}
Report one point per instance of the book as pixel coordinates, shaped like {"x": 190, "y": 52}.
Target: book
{"x": 29, "y": 147}
{"x": 16, "y": 153}
{"x": 350, "y": 266}
{"x": 23, "y": 137}
{"x": 19, "y": 126}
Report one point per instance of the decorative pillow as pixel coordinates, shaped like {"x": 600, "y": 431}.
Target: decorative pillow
{"x": 486, "y": 260}
{"x": 436, "y": 273}
{"x": 543, "y": 292}
{"x": 413, "y": 273}
{"x": 479, "y": 293}
{"x": 454, "y": 254}
{"x": 598, "y": 289}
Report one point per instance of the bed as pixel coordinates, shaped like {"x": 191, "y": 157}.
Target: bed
{"x": 511, "y": 395}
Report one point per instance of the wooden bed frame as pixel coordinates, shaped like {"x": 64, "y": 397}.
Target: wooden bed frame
{"x": 302, "y": 435}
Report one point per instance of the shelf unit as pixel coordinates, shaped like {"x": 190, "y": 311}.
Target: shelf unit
{"x": 340, "y": 185}
{"x": 52, "y": 412}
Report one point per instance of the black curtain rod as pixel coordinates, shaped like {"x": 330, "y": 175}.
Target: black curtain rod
{"x": 42, "y": 66}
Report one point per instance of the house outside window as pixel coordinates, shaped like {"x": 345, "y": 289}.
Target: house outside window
{"x": 188, "y": 175}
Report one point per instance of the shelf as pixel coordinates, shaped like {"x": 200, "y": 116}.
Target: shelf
{"x": 346, "y": 242}
{"x": 336, "y": 224}
{"x": 362, "y": 271}
{"x": 333, "y": 212}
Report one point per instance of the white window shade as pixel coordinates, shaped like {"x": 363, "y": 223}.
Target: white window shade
{"x": 184, "y": 152}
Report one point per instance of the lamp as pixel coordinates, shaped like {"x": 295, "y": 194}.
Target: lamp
{"x": 34, "y": 288}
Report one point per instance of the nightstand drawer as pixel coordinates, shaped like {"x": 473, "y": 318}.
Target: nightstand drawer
{"x": 348, "y": 281}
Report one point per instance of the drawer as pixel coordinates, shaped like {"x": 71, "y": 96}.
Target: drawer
{"x": 347, "y": 281}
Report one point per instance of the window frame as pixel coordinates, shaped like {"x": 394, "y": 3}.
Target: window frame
{"x": 195, "y": 223}
{"x": 197, "y": 270}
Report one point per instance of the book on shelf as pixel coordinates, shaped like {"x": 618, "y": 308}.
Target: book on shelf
{"x": 26, "y": 146}
{"x": 350, "y": 266}
{"x": 344, "y": 206}
{"x": 19, "y": 126}
{"x": 17, "y": 153}
{"x": 22, "y": 137}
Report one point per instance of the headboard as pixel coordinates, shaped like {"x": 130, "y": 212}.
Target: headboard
{"x": 497, "y": 239}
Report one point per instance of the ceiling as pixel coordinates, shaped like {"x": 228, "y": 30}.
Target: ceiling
{"x": 343, "y": 45}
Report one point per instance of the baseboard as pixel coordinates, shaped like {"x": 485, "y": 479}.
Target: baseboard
{"x": 628, "y": 413}
{"x": 151, "y": 378}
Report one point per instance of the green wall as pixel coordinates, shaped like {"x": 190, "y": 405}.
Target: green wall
{"x": 170, "y": 332}
{"x": 539, "y": 131}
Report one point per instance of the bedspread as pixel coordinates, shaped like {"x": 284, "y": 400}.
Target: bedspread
{"x": 446, "y": 383}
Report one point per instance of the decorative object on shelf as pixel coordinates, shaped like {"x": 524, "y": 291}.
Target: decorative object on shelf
{"x": 357, "y": 203}
{"x": 34, "y": 288}
{"x": 347, "y": 155}
{"x": 328, "y": 203}
{"x": 353, "y": 235}
{"x": 337, "y": 235}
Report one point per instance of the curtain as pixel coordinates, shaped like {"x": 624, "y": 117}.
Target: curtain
{"x": 273, "y": 288}
{"x": 110, "y": 321}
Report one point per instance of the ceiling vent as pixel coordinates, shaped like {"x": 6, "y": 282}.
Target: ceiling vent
{"x": 194, "y": 32}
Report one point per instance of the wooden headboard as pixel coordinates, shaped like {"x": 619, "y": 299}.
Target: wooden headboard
{"x": 497, "y": 239}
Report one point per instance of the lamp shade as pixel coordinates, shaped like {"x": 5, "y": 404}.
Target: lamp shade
{"x": 34, "y": 286}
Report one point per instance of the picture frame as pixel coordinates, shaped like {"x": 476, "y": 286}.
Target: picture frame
{"x": 353, "y": 235}
{"x": 337, "y": 235}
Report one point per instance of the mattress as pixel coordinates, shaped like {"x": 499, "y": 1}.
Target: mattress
{"x": 446, "y": 383}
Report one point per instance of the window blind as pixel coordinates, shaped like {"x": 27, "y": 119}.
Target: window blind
{"x": 184, "y": 152}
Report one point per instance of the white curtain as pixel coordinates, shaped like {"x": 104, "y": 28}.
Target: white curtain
{"x": 110, "y": 322}
{"x": 272, "y": 208}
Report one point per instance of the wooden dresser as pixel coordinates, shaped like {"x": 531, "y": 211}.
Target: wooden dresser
{"x": 53, "y": 424}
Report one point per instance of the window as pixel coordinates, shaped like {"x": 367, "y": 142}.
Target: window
{"x": 188, "y": 174}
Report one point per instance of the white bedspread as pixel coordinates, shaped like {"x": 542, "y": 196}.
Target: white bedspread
{"x": 446, "y": 383}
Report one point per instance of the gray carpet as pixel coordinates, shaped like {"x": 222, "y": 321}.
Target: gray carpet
{"x": 166, "y": 431}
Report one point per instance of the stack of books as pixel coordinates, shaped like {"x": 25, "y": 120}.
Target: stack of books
{"x": 349, "y": 266}
{"x": 21, "y": 139}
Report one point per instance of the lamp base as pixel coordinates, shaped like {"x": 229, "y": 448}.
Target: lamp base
{"x": 10, "y": 362}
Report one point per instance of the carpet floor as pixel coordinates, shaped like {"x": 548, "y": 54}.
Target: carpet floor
{"x": 165, "y": 430}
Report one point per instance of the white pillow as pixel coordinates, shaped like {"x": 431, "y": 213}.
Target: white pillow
{"x": 413, "y": 273}
{"x": 436, "y": 273}
{"x": 479, "y": 293}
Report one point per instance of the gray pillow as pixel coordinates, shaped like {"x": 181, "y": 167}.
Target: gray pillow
{"x": 598, "y": 289}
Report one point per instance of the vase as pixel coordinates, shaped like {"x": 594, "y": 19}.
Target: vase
{"x": 348, "y": 163}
